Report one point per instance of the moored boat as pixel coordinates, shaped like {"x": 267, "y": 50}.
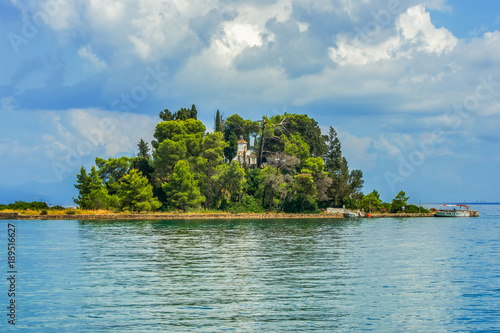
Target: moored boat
{"x": 454, "y": 212}
{"x": 352, "y": 214}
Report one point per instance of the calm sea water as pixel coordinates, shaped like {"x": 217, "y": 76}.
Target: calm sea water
{"x": 317, "y": 275}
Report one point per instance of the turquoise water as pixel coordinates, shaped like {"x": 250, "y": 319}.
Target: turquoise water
{"x": 317, "y": 275}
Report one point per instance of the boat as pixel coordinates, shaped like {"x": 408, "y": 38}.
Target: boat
{"x": 351, "y": 214}
{"x": 454, "y": 212}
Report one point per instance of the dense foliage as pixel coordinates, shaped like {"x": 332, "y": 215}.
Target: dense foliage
{"x": 296, "y": 168}
{"x": 21, "y": 205}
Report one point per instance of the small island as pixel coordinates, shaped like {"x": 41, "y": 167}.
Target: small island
{"x": 275, "y": 167}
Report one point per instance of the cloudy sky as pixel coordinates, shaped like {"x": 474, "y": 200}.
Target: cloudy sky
{"x": 412, "y": 87}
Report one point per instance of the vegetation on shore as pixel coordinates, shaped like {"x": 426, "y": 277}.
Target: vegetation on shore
{"x": 288, "y": 166}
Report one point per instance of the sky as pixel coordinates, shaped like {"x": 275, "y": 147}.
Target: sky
{"x": 412, "y": 87}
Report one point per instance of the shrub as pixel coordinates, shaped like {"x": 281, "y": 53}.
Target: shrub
{"x": 44, "y": 212}
{"x": 247, "y": 205}
{"x": 71, "y": 212}
{"x": 296, "y": 206}
{"x": 22, "y": 205}
{"x": 415, "y": 209}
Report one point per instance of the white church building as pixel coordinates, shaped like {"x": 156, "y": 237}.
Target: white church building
{"x": 244, "y": 155}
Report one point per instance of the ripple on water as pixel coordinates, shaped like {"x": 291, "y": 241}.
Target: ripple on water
{"x": 260, "y": 275}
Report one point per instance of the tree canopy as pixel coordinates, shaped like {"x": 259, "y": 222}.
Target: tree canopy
{"x": 298, "y": 168}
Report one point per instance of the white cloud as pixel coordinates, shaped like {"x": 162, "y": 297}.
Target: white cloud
{"x": 116, "y": 133}
{"x": 355, "y": 53}
{"x": 358, "y": 151}
{"x": 65, "y": 140}
{"x": 87, "y": 54}
{"x": 414, "y": 33}
{"x": 416, "y": 28}
{"x": 383, "y": 144}
{"x": 244, "y": 33}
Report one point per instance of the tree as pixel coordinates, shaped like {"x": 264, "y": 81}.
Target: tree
{"x": 86, "y": 184}
{"x": 371, "y": 201}
{"x": 166, "y": 157}
{"x": 237, "y": 125}
{"x": 218, "y": 194}
{"x": 277, "y": 175}
{"x": 232, "y": 148}
{"x": 112, "y": 171}
{"x": 398, "y": 202}
{"x": 190, "y": 130}
{"x": 143, "y": 149}
{"x": 166, "y": 115}
{"x": 270, "y": 132}
{"x": 309, "y": 131}
{"x": 212, "y": 153}
{"x": 234, "y": 181}
{"x": 182, "y": 114}
{"x": 218, "y": 124}
{"x": 305, "y": 189}
{"x": 346, "y": 186}
{"x": 182, "y": 191}
{"x": 333, "y": 155}
{"x": 356, "y": 182}
{"x": 100, "y": 199}
{"x": 316, "y": 167}
{"x": 136, "y": 194}
{"x": 194, "y": 113}
{"x": 82, "y": 181}
{"x": 144, "y": 165}
{"x": 253, "y": 181}
{"x": 340, "y": 190}
{"x": 185, "y": 114}
{"x": 294, "y": 145}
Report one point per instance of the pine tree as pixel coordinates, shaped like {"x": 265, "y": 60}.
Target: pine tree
{"x": 136, "y": 194}
{"x": 194, "y": 112}
{"x": 82, "y": 180}
{"x": 182, "y": 191}
{"x": 86, "y": 184}
{"x": 333, "y": 156}
{"x": 232, "y": 149}
{"x": 143, "y": 149}
{"x": 398, "y": 202}
{"x": 166, "y": 115}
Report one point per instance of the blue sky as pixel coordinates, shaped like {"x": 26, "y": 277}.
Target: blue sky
{"x": 412, "y": 87}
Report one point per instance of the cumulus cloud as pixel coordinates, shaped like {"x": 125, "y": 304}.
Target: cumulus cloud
{"x": 416, "y": 28}
{"x": 414, "y": 33}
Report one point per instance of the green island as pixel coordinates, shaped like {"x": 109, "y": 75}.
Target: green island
{"x": 275, "y": 166}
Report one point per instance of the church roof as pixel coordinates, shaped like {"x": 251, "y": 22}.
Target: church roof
{"x": 241, "y": 141}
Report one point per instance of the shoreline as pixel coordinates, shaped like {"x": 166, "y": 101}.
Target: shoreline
{"x": 188, "y": 216}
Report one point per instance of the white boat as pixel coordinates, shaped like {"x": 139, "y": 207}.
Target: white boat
{"x": 351, "y": 214}
{"x": 454, "y": 212}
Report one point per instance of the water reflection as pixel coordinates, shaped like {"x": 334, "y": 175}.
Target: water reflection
{"x": 196, "y": 271}
{"x": 261, "y": 275}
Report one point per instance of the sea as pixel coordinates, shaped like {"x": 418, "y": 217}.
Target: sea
{"x": 254, "y": 275}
